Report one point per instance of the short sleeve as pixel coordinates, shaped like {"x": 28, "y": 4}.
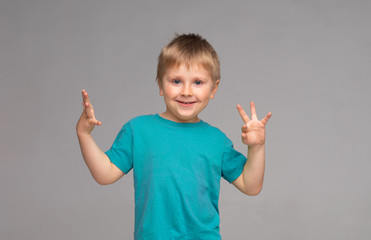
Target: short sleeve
{"x": 121, "y": 151}
{"x": 232, "y": 163}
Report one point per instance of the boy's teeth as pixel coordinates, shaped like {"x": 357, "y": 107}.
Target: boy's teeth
{"x": 185, "y": 102}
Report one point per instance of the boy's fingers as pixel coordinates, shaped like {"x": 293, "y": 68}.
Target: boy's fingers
{"x": 95, "y": 122}
{"x": 266, "y": 118}
{"x": 243, "y": 115}
{"x": 244, "y": 138}
{"x": 244, "y": 128}
{"x": 253, "y": 111}
{"x": 85, "y": 96}
{"x": 89, "y": 110}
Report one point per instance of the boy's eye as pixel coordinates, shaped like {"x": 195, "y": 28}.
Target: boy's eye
{"x": 176, "y": 81}
{"x": 198, "y": 82}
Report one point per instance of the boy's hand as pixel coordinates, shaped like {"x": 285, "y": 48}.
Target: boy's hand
{"x": 253, "y": 131}
{"x": 87, "y": 120}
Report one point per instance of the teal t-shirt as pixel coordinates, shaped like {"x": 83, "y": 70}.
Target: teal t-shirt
{"x": 177, "y": 171}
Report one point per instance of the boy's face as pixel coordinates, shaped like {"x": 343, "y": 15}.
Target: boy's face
{"x": 186, "y": 92}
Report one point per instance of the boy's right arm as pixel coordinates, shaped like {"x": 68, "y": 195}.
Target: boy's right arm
{"x": 100, "y": 166}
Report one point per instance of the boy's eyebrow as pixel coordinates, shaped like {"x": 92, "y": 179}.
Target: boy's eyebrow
{"x": 199, "y": 77}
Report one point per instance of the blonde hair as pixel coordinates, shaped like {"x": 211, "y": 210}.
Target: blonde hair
{"x": 188, "y": 49}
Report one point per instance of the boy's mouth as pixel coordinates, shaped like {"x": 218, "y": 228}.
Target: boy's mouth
{"x": 184, "y": 103}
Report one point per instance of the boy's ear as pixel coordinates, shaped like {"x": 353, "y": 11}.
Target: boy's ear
{"x": 215, "y": 87}
{"x": 160, "y": 89}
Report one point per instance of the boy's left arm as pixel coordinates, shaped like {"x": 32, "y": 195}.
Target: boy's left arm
{"x": 250, "y": 181}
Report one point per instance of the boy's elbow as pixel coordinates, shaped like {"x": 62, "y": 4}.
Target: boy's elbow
{"x": 256, "y": 193}
{"x": 253, "y": 192}
{"x": 102, "y": 181}
{"x": 107, "y": 178}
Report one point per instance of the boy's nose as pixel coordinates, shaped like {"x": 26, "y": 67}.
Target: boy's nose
{"x": 186, "y": 90}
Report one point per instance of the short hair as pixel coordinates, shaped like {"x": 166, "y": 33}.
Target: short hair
{"x": 188, "y": 49}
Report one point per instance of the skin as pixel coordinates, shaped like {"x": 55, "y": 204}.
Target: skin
{"x": 186, "y": 93}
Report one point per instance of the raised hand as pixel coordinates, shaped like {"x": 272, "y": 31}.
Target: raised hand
{"x": 87, "y": 121}
{"x": 253, "y": 131}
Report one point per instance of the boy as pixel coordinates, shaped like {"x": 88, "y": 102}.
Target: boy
{"x": 177, "y": 158}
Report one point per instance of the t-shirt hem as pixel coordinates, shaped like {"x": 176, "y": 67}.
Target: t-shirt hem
{"x": 237, "y": 172}
{"x": 116, "y": 162}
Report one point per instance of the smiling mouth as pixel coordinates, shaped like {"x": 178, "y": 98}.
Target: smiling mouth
{"x": 185, "y": 103}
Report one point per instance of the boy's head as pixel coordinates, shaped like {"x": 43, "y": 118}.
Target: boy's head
{"x": 188, "y": 49}
{"x": 188, "y": 77}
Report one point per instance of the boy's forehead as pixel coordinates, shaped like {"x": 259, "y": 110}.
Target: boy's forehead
{"x": 193, "y": 66}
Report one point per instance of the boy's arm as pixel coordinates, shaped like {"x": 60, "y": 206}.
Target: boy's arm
{"x": 250, "y": 181}
{"x": 101, "y": 168}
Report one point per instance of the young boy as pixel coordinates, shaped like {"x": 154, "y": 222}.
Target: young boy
{"x": 178, "y": 159}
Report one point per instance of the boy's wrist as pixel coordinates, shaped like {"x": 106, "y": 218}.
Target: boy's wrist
{"x": 82, "y": 134}
{"x": 256, "y": 147}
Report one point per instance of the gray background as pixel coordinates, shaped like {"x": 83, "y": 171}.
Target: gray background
{"x": 308, "y": 62}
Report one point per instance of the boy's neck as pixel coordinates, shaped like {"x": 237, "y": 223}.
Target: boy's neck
{"x": 171, "y": 118}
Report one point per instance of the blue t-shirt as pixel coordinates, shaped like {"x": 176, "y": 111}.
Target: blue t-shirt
{"x": 177, "y": 171}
